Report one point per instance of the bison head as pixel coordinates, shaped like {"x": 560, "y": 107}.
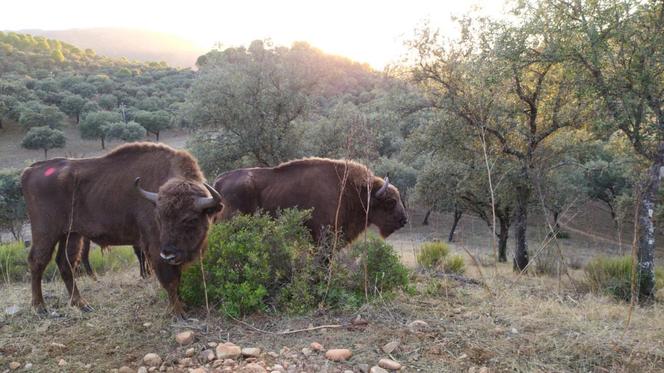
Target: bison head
{"x": 387, "y": 211}
{"x": 184, "y": 211}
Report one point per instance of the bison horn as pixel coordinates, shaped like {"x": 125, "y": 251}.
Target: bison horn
{"x": 383, "y": 189}
{"x": 150, "y": 196}
{"x": 203, "y": 203}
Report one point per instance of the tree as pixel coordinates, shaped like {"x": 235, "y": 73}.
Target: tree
{"x": 108, "y": 102}
{"x": 153, "y": 122}
{"x": 44, "y": 138}
{"x": 536, "y": 99}
{"x": 73, "y": 105}
{"x": 92, "y": 125}
{"x": 12, "y": 206}
{"x": 130, "y": 131}
{"x": 617, "y": 48}
{"x": 36, "y": 114}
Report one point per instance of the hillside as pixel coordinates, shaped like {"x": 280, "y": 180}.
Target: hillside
{"x": 134, "y": 44}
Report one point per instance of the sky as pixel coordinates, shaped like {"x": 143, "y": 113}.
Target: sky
{"x": 365, "y": 30}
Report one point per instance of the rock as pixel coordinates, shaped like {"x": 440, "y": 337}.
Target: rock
{"x": 338, "y": 354}
{"x": 190, "y": 352}
{"x": 377, "y": 369}
{"x": 199, "y": 370}
{"x": 145, "y": 370}
{"x": 125, "y": 369}
{"x": 417, "y": 325}
{"x": 484, "y": 370}
{"x": 14, "y": 365}
{"x": 184, "y": 338}
{"x": 27, "y": 366}
{"x": 277, "y": 367}
{"x": 206, "y": 355}
{"x": 212, "y": 344}
{"x": 306, "y": 351}
{"x": 147, "y": 324}
{"x": 463, "y": 356}
{"x": 62, "y": 362}
{"x": 364, "y": 368}
{"x": 389, "y": 364}
{"x": 316, "y": 346}
{"x": 273, "y": 354}
{"x": 58, "y": 345}
{"x": 10, "y": 311}
{"x": 251, "y": 351}
{"x": 152, "y": 360}
{"x": 472, "y": 370}
{"x": 228, "y": 350}
{"x": 252, "y": 368}
{"x": 390, "y": 347}
{"x": 185, "y": 362}
{"x": 514, "y": 331}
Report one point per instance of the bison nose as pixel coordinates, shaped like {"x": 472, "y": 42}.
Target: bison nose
{"x": 167, "y": 253}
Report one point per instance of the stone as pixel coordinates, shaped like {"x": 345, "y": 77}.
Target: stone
{"x": 190, "y": 352}
{"x": 514, "y": 331}
{"x": 377, "y": 369}
{"x": 126, "y": 369}
{"x": 417, "y": 325}
{"x": 463, "y": 356}
{"x": 147, "y": 324}
{"x": 338, "y": 354}
{"x": 228, "y": 350}
{"x": 390, "y": 347}
{"x": 62, "y": 362}
{"x": 14, "y": 365}
{"x": 252, "y": 368}
{"x": 27, "y": 366}
{"x": 306, "y": 351}
{"x": 316, "y": 346}
{"x": 58, "y": 345}
{"x": 206, "y": 355}
{"x": 199, "y": 370}
{"x": 277, "y": 367}
{"x": 184, "y": 338}
{"x": 484, "y": 370}
{"x": 251, "y": 351}
{"x": 185, "y": 362}
{"x": 152, "y": 360}
{"x": 145, "y": 370}
{"x": 389, "y": 364}
{"x": 364, "y": 368}
{"x": 212, "y": 344}
{"x": 273, "y": 354}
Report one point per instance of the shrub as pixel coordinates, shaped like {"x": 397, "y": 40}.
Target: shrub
{"x": 255, "y": 263}
{"x": 432, "y": 254}
{"x": 454, "y": 264}
{"x": 384, "y": 271}
{"x": 612, "y": 276}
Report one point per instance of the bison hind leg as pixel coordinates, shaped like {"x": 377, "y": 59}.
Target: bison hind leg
{"x": 67, "y": 258}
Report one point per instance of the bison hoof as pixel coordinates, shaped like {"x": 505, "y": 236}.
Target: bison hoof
{"x": 41, "y": 310}
{"x": 86, "y": 308}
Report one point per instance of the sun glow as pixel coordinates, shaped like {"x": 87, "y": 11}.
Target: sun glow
{"x": 367, "y": 31}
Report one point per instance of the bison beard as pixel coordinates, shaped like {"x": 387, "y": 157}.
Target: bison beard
{"x": 97, "y": 198}
{"x": 316, "y": 183}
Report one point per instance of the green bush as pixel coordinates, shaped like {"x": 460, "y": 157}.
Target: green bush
{"x": 454, "y": 264}
{"x": 255, "y": 263}
{"x": 432, "y": 254}
{"x": 612, "y": 276}
{"x": 14, "y": 262}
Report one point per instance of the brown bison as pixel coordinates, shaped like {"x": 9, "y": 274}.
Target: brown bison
{"x": 318, "y": 184}
{"x": 101, "y": 199}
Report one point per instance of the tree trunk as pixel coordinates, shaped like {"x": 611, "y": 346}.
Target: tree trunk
{"x": 503, "y": 235}
{"x": 103, "y": 146}
{"x": 157, "y": 134}
{"x": 0, "y": 123}
{"x": 457, "y": 216}
{"x": 78, "y": 118}
{"x": 426, "y": 217}
{"x": 521, "y": 222}
{"x": 646, "y": 268}
{"x": 45, "y": 154}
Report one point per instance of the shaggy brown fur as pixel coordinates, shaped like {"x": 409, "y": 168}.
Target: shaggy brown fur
{"x": 68, "y": 199}
{"x": 315, "y": 183}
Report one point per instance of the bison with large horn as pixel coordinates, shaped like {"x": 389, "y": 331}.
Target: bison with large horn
{"x": 344, "y": 195}
{"x": 146, "y": 195}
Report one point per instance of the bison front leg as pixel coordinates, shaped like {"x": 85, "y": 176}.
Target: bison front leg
{"x": 169, "y": 277}
{"x": 68, "y": 259}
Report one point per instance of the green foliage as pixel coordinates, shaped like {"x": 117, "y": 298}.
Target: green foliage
{"x": 14, "y": 262}
{"x": 73, "y": 105}
{"x": 36, "y": 114}
{"x": 154, "y": 122}
{"x": 257, "y": 262}
{"x": 13, "y": 212}
{"x": 432, "y": 254}
{"x": 44, "y": 138}
{"x": 384, "y": 271}
{"x": 92, "y": 125}
{"x": 454, "y": 264}
{"x": 130, "y": 131}
{"x": 108, "y": 102}
{"x": 613, "y": 276}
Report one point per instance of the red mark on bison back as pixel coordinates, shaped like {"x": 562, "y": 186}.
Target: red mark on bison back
{"x": 49, "y": 171}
